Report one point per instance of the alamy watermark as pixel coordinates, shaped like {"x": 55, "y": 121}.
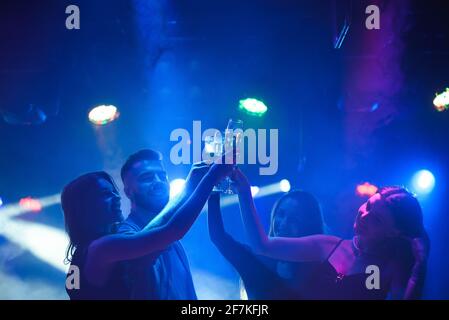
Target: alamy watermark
{"x": 73, "y": 21}
{"x": 372, "y": 281}
{"x": 72, "y": 282}
{"x": 251, "y": 145}
{"x": 372, "y": 22}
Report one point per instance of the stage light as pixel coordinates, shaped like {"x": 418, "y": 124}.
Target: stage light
{"x": 441, "y": 101}
{"x": 103, "y": 114}
{"x": 423, "y": 182}
{"x": 366, "y": 190}
{"x": 284, "y": 185}
{"x": 253, "y": 107}
{"x": 176, "y": 187}
{"x": 16, "y": 209}
{"x": 30, "y": 204}
{"x": 1, "y": 202}
{"x": 30, "y": 115}
{"x": 254, "y": 190}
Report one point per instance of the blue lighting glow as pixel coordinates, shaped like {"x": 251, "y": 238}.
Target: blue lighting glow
{"x": 176, "y": 187}
{"x": 423, "y": 182}
{"x": 284, "y": 185}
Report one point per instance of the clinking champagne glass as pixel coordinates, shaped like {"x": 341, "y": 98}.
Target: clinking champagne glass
{"x": 221, "y": 143}
{"x": 214, "y": 148}
{"x": 231, "y": 140}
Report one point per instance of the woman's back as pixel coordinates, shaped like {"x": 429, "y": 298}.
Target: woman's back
{"x": 115, "y": 287}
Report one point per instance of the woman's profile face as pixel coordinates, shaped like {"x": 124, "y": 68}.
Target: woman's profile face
{"x": 375, "y": 220}
{"x": 106, "y": 203}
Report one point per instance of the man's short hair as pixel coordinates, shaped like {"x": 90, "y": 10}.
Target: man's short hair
{"x": 141, "y": 155}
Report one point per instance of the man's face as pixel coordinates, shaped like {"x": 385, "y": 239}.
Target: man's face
{"x": 146, "y": 185}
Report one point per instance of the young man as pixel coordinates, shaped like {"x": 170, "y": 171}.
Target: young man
{"x": 164, "y": 274}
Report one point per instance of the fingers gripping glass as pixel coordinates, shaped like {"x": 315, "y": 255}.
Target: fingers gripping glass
{"x": 226, "y": 143}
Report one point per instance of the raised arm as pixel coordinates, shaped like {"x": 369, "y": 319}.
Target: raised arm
{"x": 260, "y": 281}
{"x": 228, "y": 246}
{"x": 118, "y": 247}
{"x": 312, "y": 248}
{"x": 193, "y": 179}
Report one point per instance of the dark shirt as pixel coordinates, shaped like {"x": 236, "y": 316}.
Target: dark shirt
{"x": 164, "y": 275}
{"x": 259, "y": 274}
{"x": 327, "y": 284}
{"x": 268, "y": 279}
{"x": 115, "y": 287}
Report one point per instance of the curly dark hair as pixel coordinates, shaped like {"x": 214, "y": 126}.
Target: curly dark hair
{"x": 406, "y": 211}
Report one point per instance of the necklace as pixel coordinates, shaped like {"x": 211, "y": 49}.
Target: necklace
{"x": 378, "y": 251}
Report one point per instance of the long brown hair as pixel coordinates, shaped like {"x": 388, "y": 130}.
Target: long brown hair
{"x": 76, "y": 198}
{"x": 310, "y": 212}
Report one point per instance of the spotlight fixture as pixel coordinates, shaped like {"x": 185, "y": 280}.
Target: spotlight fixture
{"x": 30, "y": 204}
{"x": 103, "y": 114}
{"x": 423, "y": 182}
{"x": 32, "y": 115}
{"x": 253, "y": 107}
{"x": 441, "y": 101}
{"x": 366, "y": 190}
{"x": 284, "y": 185}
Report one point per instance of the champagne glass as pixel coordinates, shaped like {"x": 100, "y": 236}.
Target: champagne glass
{"x": 213, "y": 146}
{"x": 232, "y": 137}
{"x": 225, "y": 143}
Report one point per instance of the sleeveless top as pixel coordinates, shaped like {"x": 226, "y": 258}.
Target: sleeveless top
{"x": 327, "y": 284}
{"x": 162, "y": 275}
{"x": 115, "y": 288}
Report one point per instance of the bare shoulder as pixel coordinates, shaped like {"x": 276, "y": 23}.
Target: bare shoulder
{"x": 327, "y": 237}
{"x": 323, "y": 244}
{"x": 324, "y": 239}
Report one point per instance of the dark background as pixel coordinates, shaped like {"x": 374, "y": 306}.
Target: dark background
{"x": 345, "y": 116}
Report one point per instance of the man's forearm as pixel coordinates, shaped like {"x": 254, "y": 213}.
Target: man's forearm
{"x": 191, "y": 208}
{"x": 170, "y": 209}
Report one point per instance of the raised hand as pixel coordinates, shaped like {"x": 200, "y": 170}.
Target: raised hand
{"x": 219, "y": 171}
{"x": 240, "y": 181}
{"x": 197, "y": 172}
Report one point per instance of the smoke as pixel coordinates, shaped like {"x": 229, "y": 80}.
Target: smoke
{"x": 15, "y": 288}
{"x": 212, "y": 287}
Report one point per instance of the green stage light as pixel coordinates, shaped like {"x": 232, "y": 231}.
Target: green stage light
{"x": 441, "y": 101}
{"x": 253, "y": 107}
